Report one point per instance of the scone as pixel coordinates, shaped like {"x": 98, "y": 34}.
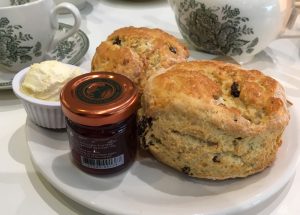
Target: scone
{"x": 213, "y": 120}
{"x": 138, "y": 53}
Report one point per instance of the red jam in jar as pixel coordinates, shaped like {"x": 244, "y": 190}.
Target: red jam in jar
{"x": 100, "y": 110}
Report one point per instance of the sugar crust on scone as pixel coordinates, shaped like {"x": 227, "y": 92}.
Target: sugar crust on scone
{"x": 138, "y": 53}
{"x": 213, "y": 120}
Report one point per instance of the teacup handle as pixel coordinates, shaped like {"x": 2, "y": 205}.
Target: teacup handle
{"x": 54, "y": 22}
{"x": 291, "y": 23}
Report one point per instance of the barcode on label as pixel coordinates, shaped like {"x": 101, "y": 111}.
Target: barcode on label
{"x": 103, "y": 163}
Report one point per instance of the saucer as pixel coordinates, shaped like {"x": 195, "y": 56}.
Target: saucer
{"x": 69, "y": 51}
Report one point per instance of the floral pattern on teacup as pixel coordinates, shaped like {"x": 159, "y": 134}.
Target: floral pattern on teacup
{"x": 218, "y": 30}
{"x": 12, "y": 47}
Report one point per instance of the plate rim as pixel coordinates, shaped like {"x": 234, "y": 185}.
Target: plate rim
{"x": 245, "y": 205}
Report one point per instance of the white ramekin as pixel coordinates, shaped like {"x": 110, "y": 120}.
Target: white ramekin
{"x": 47, "y": 114}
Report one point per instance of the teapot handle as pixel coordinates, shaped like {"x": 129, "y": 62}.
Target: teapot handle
{"x": 172, "y": 4}
{"x": 290, "y": 34}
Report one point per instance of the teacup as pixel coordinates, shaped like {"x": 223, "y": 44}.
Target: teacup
{"x": 28, "y": 31}
{"x": 236, "y": 28}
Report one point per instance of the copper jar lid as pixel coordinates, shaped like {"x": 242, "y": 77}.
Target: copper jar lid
{"x": 99, "y": 98}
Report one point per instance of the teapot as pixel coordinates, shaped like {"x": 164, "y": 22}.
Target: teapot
{"x": 235, "y": 28}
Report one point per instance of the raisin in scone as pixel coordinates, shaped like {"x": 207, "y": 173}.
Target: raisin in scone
{"x": 213, "y": 120}
{"x": 138, "y": 53}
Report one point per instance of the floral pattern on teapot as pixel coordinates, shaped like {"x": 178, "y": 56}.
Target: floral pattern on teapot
{"x": 18, "y": 2}
{"x": 218, "y": 30}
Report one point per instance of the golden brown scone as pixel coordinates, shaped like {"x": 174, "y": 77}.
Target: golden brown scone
{"x": 213, "y": 120}
{"x": 138, "y": 53}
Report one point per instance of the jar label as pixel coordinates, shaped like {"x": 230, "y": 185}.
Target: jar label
{"x": 103, "y": 163}
{"x": 103, "y": 149}
{"x": 99, "y": 91}
{"x": 98, "y": 153}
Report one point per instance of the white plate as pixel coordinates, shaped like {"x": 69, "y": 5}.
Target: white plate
{"x": 149, "y": 187}
{"x": 69, "y": 51}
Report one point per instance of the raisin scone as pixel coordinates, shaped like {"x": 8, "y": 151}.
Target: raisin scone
{"x": 213, "y": 120}
{"x": 138, "y": 53}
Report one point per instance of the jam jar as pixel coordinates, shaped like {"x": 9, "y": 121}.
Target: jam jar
{"x": 100, "y": 110}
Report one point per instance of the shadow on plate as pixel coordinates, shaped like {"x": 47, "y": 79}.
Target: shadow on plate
{"x": 58, "y": 140}
{"x": 62, "y": 165}
{"x": 69, "y": 174}
{"x": 56, "y": 200}
{"x": 158, "y": 176}
{"x": 268, "y": 206}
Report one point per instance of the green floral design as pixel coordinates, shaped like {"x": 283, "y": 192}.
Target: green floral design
{"x": 11, "y": 48}
{"x": 66, "y": 48}
{"x": 63, "y": 49}
{"x": 18, "y": 2}
{"x": 219, "y": 34}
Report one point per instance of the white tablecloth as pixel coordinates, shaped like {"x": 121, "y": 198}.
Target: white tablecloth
{"x": 24, "y": 191}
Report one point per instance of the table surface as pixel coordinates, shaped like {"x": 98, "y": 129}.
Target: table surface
{"x": 24, "y": 191}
